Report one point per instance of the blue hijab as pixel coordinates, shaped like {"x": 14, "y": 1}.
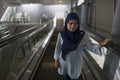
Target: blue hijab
{"x": 71, "y": 40}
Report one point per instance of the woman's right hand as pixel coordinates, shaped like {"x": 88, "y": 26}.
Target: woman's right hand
{"x": 57, "y": 64}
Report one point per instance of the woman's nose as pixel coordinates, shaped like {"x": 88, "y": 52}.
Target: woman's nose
{"x": 73, "y": 25}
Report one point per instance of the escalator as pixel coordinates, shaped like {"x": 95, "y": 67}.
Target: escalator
{"x": 92, "y": 70}
{"x": 46, "y": 69}
{"x": 19, "y": 52}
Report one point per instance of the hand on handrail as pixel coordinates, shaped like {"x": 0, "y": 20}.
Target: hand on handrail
{"x": 105, "y": 42}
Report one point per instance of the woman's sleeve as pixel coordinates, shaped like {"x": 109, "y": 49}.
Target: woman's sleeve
{"x": 57, "y": 47}
{"x": 92, "y": 46}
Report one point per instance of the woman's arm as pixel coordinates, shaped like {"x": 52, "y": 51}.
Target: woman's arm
{"x": 105, "y": 42}
{"x": 96, "y": 48}
{"x": 57, "y": 50}
{"x": 57, "y": 47}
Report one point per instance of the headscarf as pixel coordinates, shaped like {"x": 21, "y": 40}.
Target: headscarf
{"x": 71, "y": 40}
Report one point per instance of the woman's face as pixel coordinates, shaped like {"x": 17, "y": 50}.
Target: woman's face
{"x": 72, "y": 25}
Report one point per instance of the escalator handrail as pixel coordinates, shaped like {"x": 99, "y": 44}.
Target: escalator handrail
{"x": 100, "y": 38}
{"x": 11, "y": 38}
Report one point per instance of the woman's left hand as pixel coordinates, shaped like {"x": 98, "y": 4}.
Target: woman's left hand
{"x": 105, "y": 42}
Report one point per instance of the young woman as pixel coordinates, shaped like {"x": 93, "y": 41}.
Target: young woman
{"x": 70, "y": 44}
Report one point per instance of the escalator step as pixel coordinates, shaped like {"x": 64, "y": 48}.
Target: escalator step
{"x": 47, "y": 69}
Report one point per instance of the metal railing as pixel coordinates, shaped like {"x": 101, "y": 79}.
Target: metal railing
{"x": 112, "y": 56}
{"x": 17, "y": 51}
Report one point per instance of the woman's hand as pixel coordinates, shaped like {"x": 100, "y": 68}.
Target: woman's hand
{"x": 105, "y": 42}
{"x": 57, "y": 64}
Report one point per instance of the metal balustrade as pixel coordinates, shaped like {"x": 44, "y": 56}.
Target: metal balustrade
{"x": 17, "y": 51}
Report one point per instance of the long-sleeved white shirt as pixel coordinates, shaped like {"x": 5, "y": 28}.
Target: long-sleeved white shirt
{"x": 73, "y": 63}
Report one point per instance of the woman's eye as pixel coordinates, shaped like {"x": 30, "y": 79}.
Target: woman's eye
{"x": 75, "y": 23}
{"x": 70, "y": 23}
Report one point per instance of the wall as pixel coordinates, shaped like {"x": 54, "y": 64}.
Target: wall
{"x": 33, "y": 10}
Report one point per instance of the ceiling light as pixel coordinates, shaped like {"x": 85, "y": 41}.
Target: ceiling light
{"x": 60, "y": 1}
{"x": 80, "y": 2}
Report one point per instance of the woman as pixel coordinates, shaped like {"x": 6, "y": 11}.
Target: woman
{"x": 70, "y": 44}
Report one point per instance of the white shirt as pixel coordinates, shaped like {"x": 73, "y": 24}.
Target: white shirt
{"x": 73, "y": 63}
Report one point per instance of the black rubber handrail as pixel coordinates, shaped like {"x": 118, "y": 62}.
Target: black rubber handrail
{"x": 11, "y": 38}
{"x": 111, "y": 44}
{"x": 99, "y": 38}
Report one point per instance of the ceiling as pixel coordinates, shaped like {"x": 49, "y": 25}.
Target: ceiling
{"x": 51, "y": 2}
{"x": 44, "y": 2}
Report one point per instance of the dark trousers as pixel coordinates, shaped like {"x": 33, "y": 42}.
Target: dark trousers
{"x": 66, "y": 77}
